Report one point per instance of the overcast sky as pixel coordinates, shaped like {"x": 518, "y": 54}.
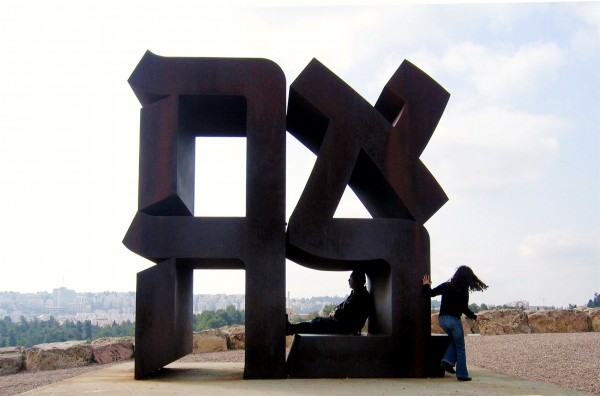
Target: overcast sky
{"x": 517, "y": 149}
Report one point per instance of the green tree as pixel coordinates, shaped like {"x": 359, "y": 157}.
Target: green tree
{"x": 223, "y": 315}
{"x": 12, "y": 338}
{"x": 235, "y": 316}
{"x": 88, "y": 330}
{"x": 312, "y": 315}
{"x": 216, "y": 321}
{"x": 201, "y": 321}
{"x": 7, "y": 321}
{"x": 595, "y": 302}
{"x": 327, "y": 309}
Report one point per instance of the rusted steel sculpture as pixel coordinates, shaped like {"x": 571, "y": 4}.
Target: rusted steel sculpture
{"x": 375, "y": 150}
{"x": 183, "y": 98}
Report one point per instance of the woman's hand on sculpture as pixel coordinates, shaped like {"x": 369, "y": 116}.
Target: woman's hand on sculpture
{"x": 426, "y": 280}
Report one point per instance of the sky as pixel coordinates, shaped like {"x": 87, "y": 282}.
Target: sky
{"x": 516, "y": 151}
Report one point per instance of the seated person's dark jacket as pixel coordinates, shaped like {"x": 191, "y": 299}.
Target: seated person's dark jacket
{"x": 353, "y": 312}
{"x": 349, "y": 317}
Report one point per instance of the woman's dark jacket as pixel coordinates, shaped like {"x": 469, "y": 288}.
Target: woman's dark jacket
{"x": 455, "y": 302}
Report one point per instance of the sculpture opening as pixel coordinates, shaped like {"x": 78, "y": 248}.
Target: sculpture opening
{"x": 220, "y": 177}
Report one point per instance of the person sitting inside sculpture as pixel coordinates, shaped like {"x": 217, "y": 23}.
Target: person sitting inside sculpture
{"x": 347, "y": 318}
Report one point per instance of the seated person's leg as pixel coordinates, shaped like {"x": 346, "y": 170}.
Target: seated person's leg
{"x": 316, "y": 326}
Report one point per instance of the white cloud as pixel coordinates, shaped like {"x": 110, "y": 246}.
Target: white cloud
{"x": 482, "y": 142}
{"x": 586, "y": 40}
{"x": 504, "y": 130}
{"x": 491, "y": 148}
{"x": 561, "y": 245}
{"x": 559, "y": 266}
{"x": 496, "y": 74}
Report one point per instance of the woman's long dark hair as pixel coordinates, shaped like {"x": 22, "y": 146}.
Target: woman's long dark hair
{"x": 465, "y": 279}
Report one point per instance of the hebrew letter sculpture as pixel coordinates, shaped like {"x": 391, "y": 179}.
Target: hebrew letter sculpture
{"x": 183, "y": 98}
{"x": 375, "y": 151}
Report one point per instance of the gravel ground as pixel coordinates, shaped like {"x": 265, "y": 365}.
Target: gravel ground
{"x": 229, "y": 356}
{"x": 14, "y": 384}
{"x": 568, "y": 360}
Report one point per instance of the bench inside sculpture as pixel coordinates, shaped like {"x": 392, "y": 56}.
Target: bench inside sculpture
{"x": 350, "y": 350}
{"x": 354, "y": 356}
{"x": 373, "y": 149}
{"x": 339, "y": 356}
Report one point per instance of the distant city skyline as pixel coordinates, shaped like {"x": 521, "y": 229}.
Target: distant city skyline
{"x": 64, "y": 301}
{"x": 105, "y": 308}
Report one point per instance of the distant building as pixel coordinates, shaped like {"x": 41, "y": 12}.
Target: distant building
{"x": 105, "y": 308}
{"x": 522, "y": 304}
{"x": 540, "y": 307}
{"x": 64, "y": 300}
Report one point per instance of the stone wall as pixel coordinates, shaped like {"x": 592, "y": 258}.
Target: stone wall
{"x": 216, "y": 340}
{"x": 516, "y": 321}
{"x": 61, "y": 355}
{"x": 107, "y": 350}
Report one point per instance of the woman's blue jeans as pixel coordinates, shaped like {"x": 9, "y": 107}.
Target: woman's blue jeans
{"x": 455, "y": 354}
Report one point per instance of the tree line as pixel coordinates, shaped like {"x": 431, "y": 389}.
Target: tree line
{"x": 219, "y": 318}
{"x": 592, "y": 303}
{"x": 28, "y": 333}
{"x": 595, "y": 302}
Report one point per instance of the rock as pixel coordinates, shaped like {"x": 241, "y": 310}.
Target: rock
{"x": 469, "y": 325}
{"x": 558, "y": 321}
{"x": 11, "y": 350}
{"x": 593, "y": 315}
{"x": 502, "y": 321}
{"x": 58, "y": 355}
{"x": 112, "y": 349}
{"x": 437, "y": 329}
{"x": 11, "y": 360}
{"x": 211, "y": 340}
{"x": 236, "y": 336}
{"x": 435, "y": 324}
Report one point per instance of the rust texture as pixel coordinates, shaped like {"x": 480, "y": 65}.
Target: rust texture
{"x": 373, "y": 149}
{"x": 376, "y": 151}
{"x": 183, "y": 98}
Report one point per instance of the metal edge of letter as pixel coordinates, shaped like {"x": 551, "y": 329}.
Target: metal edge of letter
{"x": 180, "y": 95}
{"x": 375, "y": 153}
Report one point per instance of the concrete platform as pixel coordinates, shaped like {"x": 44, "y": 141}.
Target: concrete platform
{"x": 226, "y": 379}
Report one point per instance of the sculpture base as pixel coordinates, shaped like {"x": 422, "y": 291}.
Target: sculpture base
{"x": 353, "y": 356}
{"x": 340, "y": 356}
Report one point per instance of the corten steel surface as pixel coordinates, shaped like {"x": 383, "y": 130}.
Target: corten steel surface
{"x": 339, "y": 356}
{"x": 343, "y": 356}
{"x": 183, "y": 98}
{"x": 376, "y": 151}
